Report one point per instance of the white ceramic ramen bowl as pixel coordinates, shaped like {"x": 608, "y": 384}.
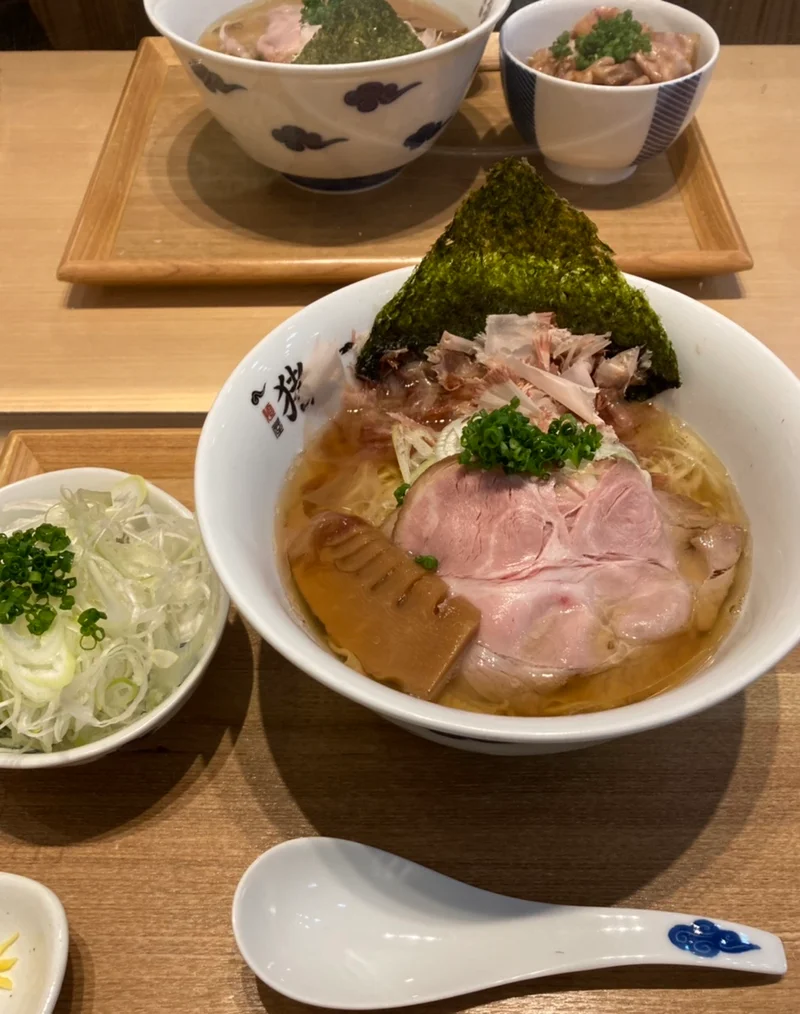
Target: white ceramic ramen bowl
{"x": 340, "y": 128}
{"x": 736, "y": 394}
{"x": 593, "y": 133}
{"x": 48, "y": 486}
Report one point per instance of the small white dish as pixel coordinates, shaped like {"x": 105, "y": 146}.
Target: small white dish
{"x": 341, "y": 925}
{"x": 44, "y": 487}
{"x": 32, "y": 910}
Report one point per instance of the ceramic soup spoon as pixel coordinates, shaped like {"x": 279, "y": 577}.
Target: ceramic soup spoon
{"x": 338, "y": 924}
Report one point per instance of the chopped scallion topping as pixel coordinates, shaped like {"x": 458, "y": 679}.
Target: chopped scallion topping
{"x": 427, "y": 562}
{"x": 506, "y": 439}
{"x": 618, "y": 37}
{"x": 90, "y": 631}
{"x": 561, "y": 48}
{"x": 34, "y": 568}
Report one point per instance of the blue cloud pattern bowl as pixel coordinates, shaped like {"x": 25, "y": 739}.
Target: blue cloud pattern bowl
{"x": 596, "y": 134}
{"x": 338, "y": 128}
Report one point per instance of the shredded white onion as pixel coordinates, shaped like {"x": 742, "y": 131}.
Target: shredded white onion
{"x": 149, "y": 572}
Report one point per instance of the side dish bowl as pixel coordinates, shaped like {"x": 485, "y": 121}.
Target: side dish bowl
{"x": 33, "y": 917}
{"x": 736, "y": 395}
{"x": 308, "y": 121}
{"x": 45, "y": 487}
{"x": 597, "y": 134}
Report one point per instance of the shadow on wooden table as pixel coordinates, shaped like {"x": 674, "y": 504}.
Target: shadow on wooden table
{"x": 587, "y": 827}
{"x": 215, "y": 180}
{"x": 651, "y": 977}
{"x": 78, "y": 977}
{"x": 66, "y": 805}
{"x": 121, "y": 297}
{"x": 718, "y": 287}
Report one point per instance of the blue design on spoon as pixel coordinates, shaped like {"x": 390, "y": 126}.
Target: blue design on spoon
{"x": 705, "y": 939}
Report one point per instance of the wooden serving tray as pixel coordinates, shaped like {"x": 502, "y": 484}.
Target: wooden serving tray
{"x": 174, "y": 201}
{"x": 145, "y": 847}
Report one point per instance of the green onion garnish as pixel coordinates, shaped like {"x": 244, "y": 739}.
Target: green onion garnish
{"x": 90, "y": 631}
{"x": 506, "y": 439}
{"x": 561, "y": 47}
{"x": 618, "y": 37}
{"x": 35, "y": 568}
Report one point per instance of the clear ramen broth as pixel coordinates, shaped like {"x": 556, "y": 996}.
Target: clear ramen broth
{"x": 245, "y": 25}
{"x": 336, "y": 472}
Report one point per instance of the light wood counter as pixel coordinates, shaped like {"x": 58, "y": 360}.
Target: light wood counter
{"x": 80, "y": 350}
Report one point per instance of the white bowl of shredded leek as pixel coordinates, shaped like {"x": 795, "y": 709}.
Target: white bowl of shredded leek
{"x": 109, "y": 614}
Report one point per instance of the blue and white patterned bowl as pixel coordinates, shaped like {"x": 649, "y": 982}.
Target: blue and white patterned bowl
{"x": 338, "y": 128}
{"x": 593, "y": 133}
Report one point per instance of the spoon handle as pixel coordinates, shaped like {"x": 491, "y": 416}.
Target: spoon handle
{"x": 583, "y": 938}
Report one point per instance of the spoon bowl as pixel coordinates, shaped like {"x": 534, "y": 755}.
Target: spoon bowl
{"x": 342, "y": 925}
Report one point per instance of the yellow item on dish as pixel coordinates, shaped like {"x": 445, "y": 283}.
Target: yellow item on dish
{"x": 7, "y": 963}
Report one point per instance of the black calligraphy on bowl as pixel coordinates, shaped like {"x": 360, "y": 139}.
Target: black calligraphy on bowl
{"x": 368, "y": 96}
{"x": 297, "y": 139}
{"x": 288, "y": 396}
{"x": 288, "y": 390}
{"x": 212, "y": 80}
{"x": 426, "y": 133}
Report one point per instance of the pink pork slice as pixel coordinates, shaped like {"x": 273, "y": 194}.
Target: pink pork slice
{"x": 569, "y": 574}
{"x": 285, "y": 34}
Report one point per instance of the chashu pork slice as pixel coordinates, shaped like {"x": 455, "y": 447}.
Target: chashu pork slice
{"x": 570, "y": 574}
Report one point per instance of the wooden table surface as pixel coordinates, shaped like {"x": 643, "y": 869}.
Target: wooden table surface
{"x": 146, "y": 846}
{"x": 81, "y": 350}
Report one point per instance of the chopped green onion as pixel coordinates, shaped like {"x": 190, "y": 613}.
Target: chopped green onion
{"x": 90, "y": 631}
{"x": 400, "y": 493}
{"x": 561, "y": 47}
{"x": 506, "y": 439}
{"x": 427, "y": 562}
{"x": 34, "y": 565}
{"x": 618, "y": 37}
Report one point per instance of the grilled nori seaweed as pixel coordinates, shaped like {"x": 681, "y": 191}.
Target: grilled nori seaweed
{"x": 515, "y": 246}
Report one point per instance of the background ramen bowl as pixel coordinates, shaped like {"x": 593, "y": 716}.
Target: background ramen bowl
{"x": 322, "y": 127}
{"x": 250, "y": 440}
{"x": 594, "y": 133}
{"x": 48, "y": 486}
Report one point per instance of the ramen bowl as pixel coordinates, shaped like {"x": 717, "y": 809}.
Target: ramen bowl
{"x": 597, "y": 134}
{"x": 257, "y": 427}
{"x": 335, "y": 128}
